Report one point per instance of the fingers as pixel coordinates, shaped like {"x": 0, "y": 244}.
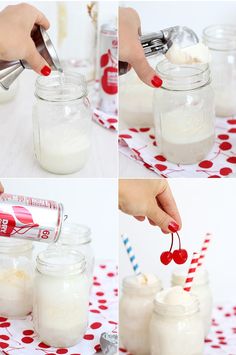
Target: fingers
{"x": 36, "y": 61}
{"x": 144, "y": 71}
{"x": 140, "y": 218}
{"x": 168, "y": 204}
{"x": 160, "y": 218}
{"x": 1, "y": 188}
{"x": 42, "y": 20}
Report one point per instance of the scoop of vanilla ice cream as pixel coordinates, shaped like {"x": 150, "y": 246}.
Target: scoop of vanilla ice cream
{"x": 177, "y": 296}
{"x": 146, "y": 279}
{"x": 198, "y": 53}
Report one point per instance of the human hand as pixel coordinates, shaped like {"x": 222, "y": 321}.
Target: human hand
{"x": 130, "y": 48}
{"x": 16, "y": 25}
{"x": 1, "y": 188}
{"x": 151, "y": 198}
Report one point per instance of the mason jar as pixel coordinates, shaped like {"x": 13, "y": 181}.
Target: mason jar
{"x": 78, "y": 237}
{"x": 200, "y": 288}
{"x": 61, "y": 297}
{"x": 176, "y": 329}
{"x": 62, "y": 122}
{"x": 16, "y": 277}
{"x": 184, "y": 112}
{"x": 136, "y": 306}
{"x": 221, "y": 40}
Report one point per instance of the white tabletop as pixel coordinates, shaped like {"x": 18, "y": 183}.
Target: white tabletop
{"x": 16, "y": 140}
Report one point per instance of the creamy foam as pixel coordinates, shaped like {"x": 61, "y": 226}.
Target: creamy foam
{"x": 198, "y": 53}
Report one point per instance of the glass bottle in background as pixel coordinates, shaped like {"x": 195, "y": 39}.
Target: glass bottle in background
{"x": 221, "y": 40}
{"x": 16, "y": 278}
{"x": 78, "y": 237}
{"x": 62, "y": 122}
{"x": 61, "y": 297}
{"x": 184, "y": 113}
{"x": 77, "y": 36}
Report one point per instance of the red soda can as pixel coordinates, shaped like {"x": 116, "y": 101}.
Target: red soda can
{"x": 108, "y": 77}
{"x": 30, "y": 218}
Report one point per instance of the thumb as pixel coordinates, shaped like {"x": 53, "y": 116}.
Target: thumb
{"x": 162, "y": 219}
{"x": 143, "y": 69}
{"x": 36, "y": 61}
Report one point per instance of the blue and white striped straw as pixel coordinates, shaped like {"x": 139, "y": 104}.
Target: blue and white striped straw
{"x": 131, "y": 255}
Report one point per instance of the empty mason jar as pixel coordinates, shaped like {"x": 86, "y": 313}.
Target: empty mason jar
{"x": 221, "y": 40}
{"x": 136, "y": 306}
{"x": 78, "y": 237}
{"x": 16, "y": 277}
{"x": 184, "y": 112}
{"x": 201, "y": 289}
{"x": 176, "y": 328}
{"x": 62, "y": 122}
{"x": 61, "y": 297}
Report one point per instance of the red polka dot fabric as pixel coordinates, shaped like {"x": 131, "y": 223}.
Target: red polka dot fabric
{"x": 18, "y": 336}
{"x": 222, "y": 337}
{"x": 140, "y": 144}
{"x": 107, "y": 121}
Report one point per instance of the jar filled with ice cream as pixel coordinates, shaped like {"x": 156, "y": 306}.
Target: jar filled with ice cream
{"x": 184, "y": 111}
{"x": 221, "y": 40}
{"x": 16, "y": 278}
{"x": 136, "y": 307}
{"x": 201, "y": 289}
{"x": 176, "y": 327}
{"x": 62, "y": 122}
{"x": 61, "y": 297}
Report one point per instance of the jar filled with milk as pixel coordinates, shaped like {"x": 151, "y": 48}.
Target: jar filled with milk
{"x": 61, "y": 297}
{"x": 176, "y": 327}
{"x": 184, "y": 112}
{"x": 136, "y": 307}
{"x": 201, "y": 289}
{"x": 78, "y": 237}
{"x": 16, "y": 277}
{"x": 62, "y": 122}
{"x": 221, "y": 40}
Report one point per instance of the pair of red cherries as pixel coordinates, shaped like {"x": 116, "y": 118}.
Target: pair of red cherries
{"x": 179, "y": 256}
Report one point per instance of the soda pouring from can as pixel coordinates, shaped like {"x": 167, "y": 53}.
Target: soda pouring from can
{"x": 10, "y": 70}
{"x": 30, "y": 218}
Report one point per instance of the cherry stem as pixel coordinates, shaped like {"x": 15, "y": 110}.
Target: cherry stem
{"x": 179, "y": 240}
{"x": 172, "y": 241}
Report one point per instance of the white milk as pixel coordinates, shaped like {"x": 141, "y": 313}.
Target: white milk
{"x": 16, "y": 278}
{"x": 62, "y": 149}
{"x": 176, "y": 327}
{"x": 8, "y": 95}
{"x": 201, "y": 289}
{"x": 61, "y": 298}
{"x": 136, "y": 306}
{"x": 195, "y": 54}
{"x": 186, "y": 134}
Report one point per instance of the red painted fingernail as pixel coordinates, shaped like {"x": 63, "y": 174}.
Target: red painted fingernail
{"x": 173, "y": 227}
{"x": 46, "y": 70}
{"x": 156, "y": 81}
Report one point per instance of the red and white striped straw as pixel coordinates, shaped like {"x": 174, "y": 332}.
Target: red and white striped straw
{"x": 191, "y": 272}
{"x": 204, "y": 249}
